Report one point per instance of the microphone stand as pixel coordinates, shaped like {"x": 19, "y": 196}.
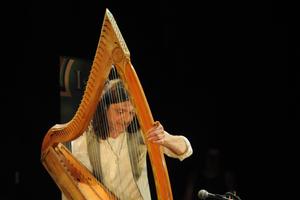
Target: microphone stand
{"x": 231, "y": 195}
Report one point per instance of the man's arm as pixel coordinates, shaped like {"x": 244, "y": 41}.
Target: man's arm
{"x": 174, "y": 145}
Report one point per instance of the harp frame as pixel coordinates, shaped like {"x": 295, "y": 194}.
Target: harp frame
{"x": 73, "y": 179}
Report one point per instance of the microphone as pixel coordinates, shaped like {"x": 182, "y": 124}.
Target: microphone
{"x": 203, "y": 194}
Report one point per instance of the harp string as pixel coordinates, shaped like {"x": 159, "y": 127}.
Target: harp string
{"x": 101, "y": 132}
{"x": 115, "y": 96}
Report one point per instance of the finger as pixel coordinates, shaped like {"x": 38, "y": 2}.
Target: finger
{"x": 154, "y": 128}
{"x": 153, "y": 138}
{"x": 156, "y": 133}
{"x": 160, "y": 141}
{"x": 157, "y": 136}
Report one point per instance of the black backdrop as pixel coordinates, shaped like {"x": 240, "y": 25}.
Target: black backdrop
{"x": 207, "y": 70}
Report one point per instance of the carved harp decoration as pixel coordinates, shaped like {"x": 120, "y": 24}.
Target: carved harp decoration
{"x": 73, "y": 178}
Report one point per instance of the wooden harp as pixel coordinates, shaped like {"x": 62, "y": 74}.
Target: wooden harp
{"x": 73, "y": 178}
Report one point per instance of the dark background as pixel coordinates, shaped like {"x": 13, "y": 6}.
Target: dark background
{"x": 217, "y": 73}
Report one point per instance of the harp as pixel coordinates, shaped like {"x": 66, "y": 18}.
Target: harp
{"x": 73, "y": 178}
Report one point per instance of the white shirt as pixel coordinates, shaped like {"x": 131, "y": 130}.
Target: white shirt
{"x": 119, "y": 178}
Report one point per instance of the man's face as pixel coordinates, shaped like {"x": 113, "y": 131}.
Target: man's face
{"x": 120, "y": 115}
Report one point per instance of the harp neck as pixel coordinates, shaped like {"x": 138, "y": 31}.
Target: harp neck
{"x": 111, "y": 49}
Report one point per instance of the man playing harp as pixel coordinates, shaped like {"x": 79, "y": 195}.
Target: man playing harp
{"x": 113, "y": 148}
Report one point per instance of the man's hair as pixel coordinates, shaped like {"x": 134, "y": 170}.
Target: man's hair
{"x": 114, "y": 92}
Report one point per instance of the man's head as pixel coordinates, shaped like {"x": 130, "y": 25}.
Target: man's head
{"x": 115, "y": 112}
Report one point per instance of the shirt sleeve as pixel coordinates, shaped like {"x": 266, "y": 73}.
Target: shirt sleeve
{"x": 187, "y": 153}
{"x": 79, "y": 150}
